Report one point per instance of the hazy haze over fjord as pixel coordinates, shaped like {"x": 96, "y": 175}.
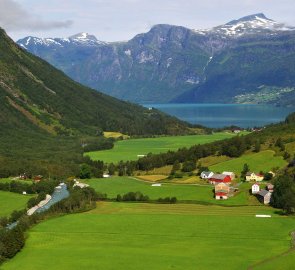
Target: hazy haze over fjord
{"x": 112, "y": 20}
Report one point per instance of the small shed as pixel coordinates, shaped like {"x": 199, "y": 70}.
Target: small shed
{"x": 270, "y": 187}
{"x": 264, "y": 196}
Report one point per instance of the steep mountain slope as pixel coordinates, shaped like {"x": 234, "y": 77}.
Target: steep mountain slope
{"x": 175, "y": 63}
{"x": 45, "y": 116}
{"x": 56, "y": 104}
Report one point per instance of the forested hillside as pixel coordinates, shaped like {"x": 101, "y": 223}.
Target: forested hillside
{"x": 45, "y": 116}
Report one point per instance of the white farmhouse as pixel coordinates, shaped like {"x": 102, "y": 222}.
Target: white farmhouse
{"x": 251, "y": 176}
{"x": 255, "y": 188}
{"x": 206, "y": 175}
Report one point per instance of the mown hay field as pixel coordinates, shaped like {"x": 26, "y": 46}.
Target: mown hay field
{"x": 155, "y": 236}
{"x": 133, "y": 149}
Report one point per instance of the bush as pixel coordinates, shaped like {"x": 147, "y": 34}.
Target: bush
{"x": 167, "y": 200}
{"x": 132, "y": 197}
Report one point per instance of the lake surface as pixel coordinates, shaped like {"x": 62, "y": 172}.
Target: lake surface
{"x": 221, "y": 115}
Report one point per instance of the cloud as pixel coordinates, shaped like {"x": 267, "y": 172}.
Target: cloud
{"x": 13, "y": 17}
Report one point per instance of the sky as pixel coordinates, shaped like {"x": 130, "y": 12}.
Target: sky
{"x": 119, "y": 20}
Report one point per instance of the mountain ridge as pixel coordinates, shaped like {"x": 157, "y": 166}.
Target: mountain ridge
{"x": 166, "y": 63}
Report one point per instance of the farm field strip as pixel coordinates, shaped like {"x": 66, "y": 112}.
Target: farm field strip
{"x": 192, "y": 209}
{"x": 106, "y": 238}
{"x": 130, "y": 149}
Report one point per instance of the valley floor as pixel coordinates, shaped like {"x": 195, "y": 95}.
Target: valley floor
{"x": 157, "y": 236}
{"x": 132, "y": 149}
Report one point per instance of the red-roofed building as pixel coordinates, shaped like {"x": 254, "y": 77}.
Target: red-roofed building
{"x": 221, "y": 191}
{"x": 219, "y": 178}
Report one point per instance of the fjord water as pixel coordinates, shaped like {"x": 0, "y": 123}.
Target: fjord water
{"x": 221, "y": 115}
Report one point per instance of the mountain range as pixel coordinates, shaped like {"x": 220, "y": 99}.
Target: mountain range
{"x": 249, "y": 60}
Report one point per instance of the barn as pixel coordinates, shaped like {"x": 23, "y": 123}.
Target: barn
{"x": 219, "y": 178}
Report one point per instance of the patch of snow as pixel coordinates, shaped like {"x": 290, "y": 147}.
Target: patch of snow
{"x": 128, "y": 52}
{"x": 145, "y": 57}
{"x": 28, "y": 41}
{"x": 192, "y": 80}
{"x": 22, "y": 45}
{"x": 169, "y": 62}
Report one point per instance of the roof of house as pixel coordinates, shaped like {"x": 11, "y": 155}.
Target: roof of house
{"x": 222, "y": 184}
{"x": 219, "y": 176}
{"x": 207, "y": 173}
{"x": 228, "y": 173}
{"x": 263, "y": 192}
{"x": 256, "y": 184}
{"x": 250, "y": 173}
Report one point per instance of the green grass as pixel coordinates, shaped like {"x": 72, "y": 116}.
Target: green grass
{"x": 152, "y": 236}
{"x": 130, "y": 149}
{"x": 9, "y": 180}
{"x": 12, "y": 201}
{"x": 262, "y": 161}
{"x": 121, "y": 185}
{"x": 284, "y": 262}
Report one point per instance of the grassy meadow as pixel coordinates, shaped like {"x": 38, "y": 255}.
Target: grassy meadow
{"x": 262, "y": 161}
{"x": 12, "y": 201}
{"x": 130, "y": 149}
{"x": 183, "y": 192}
{"x": 9, "y": 180}
{"x": 154, "y": 236}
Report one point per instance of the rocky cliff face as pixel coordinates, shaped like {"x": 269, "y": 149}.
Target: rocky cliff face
{"x": 175, "y": 63}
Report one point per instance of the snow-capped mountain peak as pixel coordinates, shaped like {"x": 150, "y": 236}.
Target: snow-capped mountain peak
{"x": 79, "y": 39}
{"x": 83, "y": 37}
{"x": 252, "y": 24}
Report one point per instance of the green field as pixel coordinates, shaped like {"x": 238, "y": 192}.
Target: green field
{"x": 130, "y": 149}
{"x": 262, "y": 161}
{"x": 284, "y": 262}
{"x": 9, "y": 180}
{"x": 121, "y": 185}
{"x": 12, "y": 201}
{"x": 151, "y": 236}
